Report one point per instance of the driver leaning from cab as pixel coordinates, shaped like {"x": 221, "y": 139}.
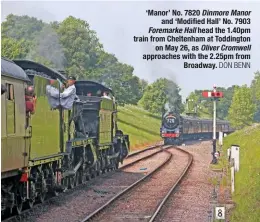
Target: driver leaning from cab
{"x": 66, "y": 98}
{"x": 69, "y": 94}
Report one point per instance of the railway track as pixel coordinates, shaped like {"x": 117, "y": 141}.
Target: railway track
{"x": 141, "y": 155}
{"x": 126, "y": 204}
{"x": 132, "y": 159}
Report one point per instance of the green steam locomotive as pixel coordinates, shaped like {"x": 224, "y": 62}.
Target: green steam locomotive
{"x": 46, "y": 151}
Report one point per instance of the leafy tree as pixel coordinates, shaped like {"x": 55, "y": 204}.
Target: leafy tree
{"x": 159, "y": 93}
{"x": 192, "y": 103}
{"x": 255, "y": 85}
{"x": 21, "y": 27}
{"x": 204, "y": 106}
{"x": 242, "y": 109}
{"x": 14, "y": 49}
{"x": 81, "y": 45}
{"x": 119, "y": 77}
{"x": 143, "y": 84}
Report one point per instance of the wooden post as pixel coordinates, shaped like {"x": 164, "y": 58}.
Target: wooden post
{"x": 235, "y": 156}
{"x": 232, "y": 179}
{"x": 220, "y": 138}
{"x": 228, "y": 154}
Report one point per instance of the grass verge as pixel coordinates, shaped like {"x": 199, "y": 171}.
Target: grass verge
{"x": 247, "y": 180}
{"x": 142, "y": 127}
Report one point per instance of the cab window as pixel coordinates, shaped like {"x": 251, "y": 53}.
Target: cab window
{"x": 10, "y": 108}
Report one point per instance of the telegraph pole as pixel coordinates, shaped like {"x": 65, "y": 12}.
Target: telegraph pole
{"x": 215, "y": 96}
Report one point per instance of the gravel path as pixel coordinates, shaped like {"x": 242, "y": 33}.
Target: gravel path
{"x": 81, "y": 201}
{"x": 141, "y": 202}
{"x": 191, "y": 201}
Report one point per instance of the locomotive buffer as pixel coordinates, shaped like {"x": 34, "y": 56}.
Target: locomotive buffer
{"x": 215, "y": 95}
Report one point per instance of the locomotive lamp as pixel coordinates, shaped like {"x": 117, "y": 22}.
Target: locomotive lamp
{"x": 215, "y": 95}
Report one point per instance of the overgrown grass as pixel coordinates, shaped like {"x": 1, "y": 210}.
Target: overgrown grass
{"x": 142, "y": 127}
{"x": 247, "y": 180}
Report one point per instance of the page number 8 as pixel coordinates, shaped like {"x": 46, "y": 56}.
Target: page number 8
{"x": 220, "y": 213}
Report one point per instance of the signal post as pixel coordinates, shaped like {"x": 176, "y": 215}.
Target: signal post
{"x": 215, "y": 95}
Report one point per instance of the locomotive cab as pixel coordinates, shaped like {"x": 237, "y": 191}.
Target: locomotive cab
{"x": 95, "y": 116}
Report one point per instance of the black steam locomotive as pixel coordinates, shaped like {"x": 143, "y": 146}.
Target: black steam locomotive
{"x": 175, "y": 128}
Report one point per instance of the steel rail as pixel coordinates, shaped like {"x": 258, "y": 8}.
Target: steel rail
{"x": 145, "y": 157}
{"x": 107, "y": 204}
{"x": 144, "y": 150}
{"x": 184, "y": 172}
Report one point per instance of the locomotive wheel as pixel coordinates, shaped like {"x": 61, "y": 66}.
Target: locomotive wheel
{"x": 93, "y": 172}
{"x": 65, "y": 183}
{"x": 55, "y": 193}
{"x": 77, "y": 179}
{"x": 103, "y": 165}
{"x": 72, "y": 181}
{"x": 112, "y": 168}
{"x": 84, "y": 178}
{"x": 104, "y": 170}
{"x": 19, "y": 208}
{"x": 80, "y": 172}
{"x": 98, "y": 167}
{"x": 30, "y": 203}
{"x": 42, "y": 197}
{"x": 19, "y": 204}
{"x": 43, "y": 192}
{"x": 117, "y": 164}
{"x": 88, "y": 176}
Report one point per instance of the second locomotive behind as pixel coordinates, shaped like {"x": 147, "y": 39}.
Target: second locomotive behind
{"x": 175, "y": 128}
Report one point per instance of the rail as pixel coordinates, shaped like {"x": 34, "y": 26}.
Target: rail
{"x": 105, "y": 206}
{"x": 184, "y": 172}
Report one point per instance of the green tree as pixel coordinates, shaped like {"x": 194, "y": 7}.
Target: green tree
{"x": 14, "y": 49}
{"x": 159, "y": 93}
{"x": 242, "y": 108}
{"x": 81, "y": 45}
{"x": 193, "y": 103}
{"x": 21, "y": 27}
{"x": 143, "y": 84}
{"x": 119, "y": 77}
{"x": 205, "y": 105}
{"x": 255, "y": 85}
